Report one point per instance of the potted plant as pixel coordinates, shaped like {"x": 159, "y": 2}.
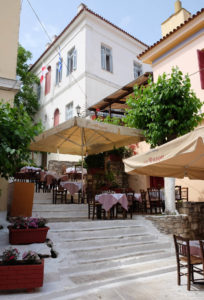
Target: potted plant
{"x": 27, "y": 230}
{"x": 95, "y": 163}
{"x": 27, "y": 273}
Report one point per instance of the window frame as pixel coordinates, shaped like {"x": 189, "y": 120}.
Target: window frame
{"x": 106, "y": 52}
{"x": 71, "y": 60}
{"x": 71, "y": 104}
{"x": 139, "y": 67}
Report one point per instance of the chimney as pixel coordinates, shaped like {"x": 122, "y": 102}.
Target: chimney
{"x": 80, "y": 7}
{"x": 177, "y": 6}
{"x": 179, "y": 17}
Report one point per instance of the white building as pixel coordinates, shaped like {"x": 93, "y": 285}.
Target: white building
{"x": 97, "y": 59}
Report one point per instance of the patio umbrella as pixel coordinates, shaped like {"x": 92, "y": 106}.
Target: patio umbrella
{"x": 182, "y": 157}
{"x": 80, "y": 136}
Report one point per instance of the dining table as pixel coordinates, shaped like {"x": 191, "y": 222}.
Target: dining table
{"x": 108, "y": 200}
{"x": 72, "y": 187}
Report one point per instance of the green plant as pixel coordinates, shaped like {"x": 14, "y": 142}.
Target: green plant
{"x": 10, "y": 255}
{"x": 165, "y": 109}
{"x": 123, "y": 152}
{"x": 95, "y": 161}
{"x": 16, "y": 133}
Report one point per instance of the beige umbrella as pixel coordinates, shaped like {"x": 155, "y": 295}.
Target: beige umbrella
{"x": 80, "y": 136}
{"x": 182, "y": 157}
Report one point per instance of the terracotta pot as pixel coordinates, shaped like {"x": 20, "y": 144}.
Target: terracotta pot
{"x": 27, "y": 236}
{"x": 22, "y": 276}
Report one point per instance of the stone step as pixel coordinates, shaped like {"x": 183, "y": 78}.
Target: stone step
{"x": 60, "y": 207}
{"x": 87, "y": 244}
{"x": 70, "y": 235}
{"x": 82, "y": 285}
{"x": 119, "y": 252}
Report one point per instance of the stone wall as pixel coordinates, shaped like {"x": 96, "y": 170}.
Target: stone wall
{"x": 189, "y": 224}
{"x": 59, "y": 166}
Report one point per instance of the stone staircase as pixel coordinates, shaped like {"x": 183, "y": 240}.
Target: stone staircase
{"x": 97, "y": 255}
{"x": 43, "y": 207}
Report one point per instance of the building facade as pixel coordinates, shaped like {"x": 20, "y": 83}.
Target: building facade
{"x": 89, "y": 60}
{"x": 183, "y": 46}
{"x": 9, "y": 86}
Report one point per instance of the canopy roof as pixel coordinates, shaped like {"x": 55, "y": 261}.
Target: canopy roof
{"x": 117, "y": 100}
{"x": 79, "y": 136}
{"x": 181, "y": 157}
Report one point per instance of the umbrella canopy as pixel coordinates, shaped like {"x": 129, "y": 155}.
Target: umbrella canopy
{"x": 179, "y": 158}
{"x": 80, "y": 136}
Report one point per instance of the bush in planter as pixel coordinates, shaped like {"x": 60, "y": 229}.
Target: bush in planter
{"x": 10, "y": 255}
{"x": 27, "y": 230}
{"x": 21, "y": 274}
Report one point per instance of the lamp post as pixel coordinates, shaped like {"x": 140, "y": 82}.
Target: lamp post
{"x": 78, "y": 108}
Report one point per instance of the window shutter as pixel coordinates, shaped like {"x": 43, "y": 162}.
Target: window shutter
{"x": 200, "y": 54}
{"x": 103, "y": 58}
{"x": 68, "y": 64}
{"x": 111, "y": 63}
{"x": 48, "y": 81}
{"x": 74, "y": 59}
{"x": 57, "y": 74}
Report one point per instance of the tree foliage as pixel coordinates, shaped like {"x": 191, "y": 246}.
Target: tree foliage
{"x": 16, "y": 132}
{"x": 27, "y": 94}
{"x": 165, "y": 109}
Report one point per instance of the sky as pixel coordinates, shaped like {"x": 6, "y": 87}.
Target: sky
{"x": 141, "y": 18}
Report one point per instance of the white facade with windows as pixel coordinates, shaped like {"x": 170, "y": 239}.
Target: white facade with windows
{"x": 97, "y": 59}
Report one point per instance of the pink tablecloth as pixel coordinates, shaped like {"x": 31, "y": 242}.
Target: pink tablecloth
{"x": 72, "y": 186}
{"x": 108, "y": 200}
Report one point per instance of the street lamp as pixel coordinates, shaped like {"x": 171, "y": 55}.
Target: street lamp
{"x": 78, "y": 108}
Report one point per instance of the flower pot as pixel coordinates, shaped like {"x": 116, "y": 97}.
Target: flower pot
{"x": 27, "y": 236}
{"x": 21, "y": 276}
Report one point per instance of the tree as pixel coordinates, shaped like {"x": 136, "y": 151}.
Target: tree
{"x": 16, "y": 132}
{"x": 27, "y": 94}
{"x": 165, "y": 109}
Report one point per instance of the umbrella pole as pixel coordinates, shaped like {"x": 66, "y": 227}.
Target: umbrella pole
{"x": 82, "y": 165}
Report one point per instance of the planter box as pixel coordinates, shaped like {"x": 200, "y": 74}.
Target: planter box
{"x": 27, "y": 236}
{"x": 21, "y": 276}
{"x": 114, "y": 157}
{"x": 94, "y": 171}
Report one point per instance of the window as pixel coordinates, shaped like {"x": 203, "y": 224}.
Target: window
{"x": 137, "y": 68}
{"x": 47, "y": 80}
{"x": 106, "y": 59}
{"x": 58, "y": 73}
{"x": 71, "y": 61}
{"x": 69, "y": 111}
{"x": 56, "y": 117}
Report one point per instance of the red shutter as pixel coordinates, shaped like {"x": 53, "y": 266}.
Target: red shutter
{"x": 201, "y": 66}
{"x": 48, "y": 81}
{"x": 56, "y": 117}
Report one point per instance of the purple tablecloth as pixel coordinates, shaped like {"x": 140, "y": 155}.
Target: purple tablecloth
{"x": 108, "y": 200}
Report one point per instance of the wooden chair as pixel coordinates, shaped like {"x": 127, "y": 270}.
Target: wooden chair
{"x": 59, "y": 193}
{"x": 155, "y": 201}
{"x": 186, "y": 260}
{"x": 202, "y": 253}
{"x": 143, "y": 203}
{"x": 94, "y": 207}
{"x": 184, "y": 193}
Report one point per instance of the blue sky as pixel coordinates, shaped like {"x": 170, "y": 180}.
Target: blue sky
{"x": 140, "y": 18}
